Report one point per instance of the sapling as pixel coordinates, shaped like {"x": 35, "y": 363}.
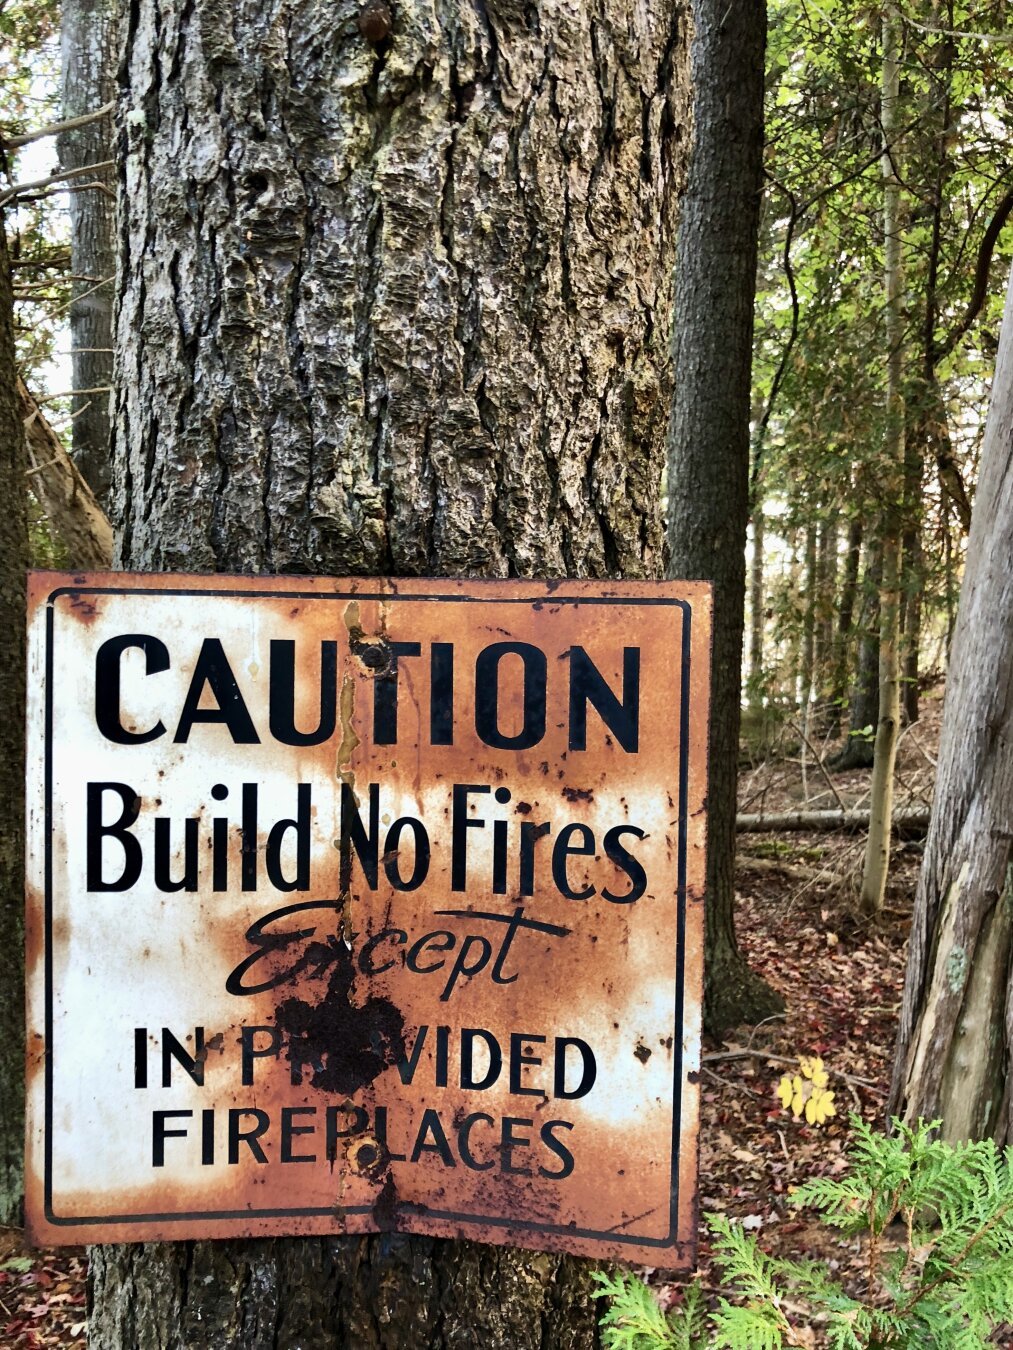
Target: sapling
{"x": 945, "y": 1284}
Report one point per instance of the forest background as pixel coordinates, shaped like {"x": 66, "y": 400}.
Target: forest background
{"x": 868, "y": 411}
{"x": 821, "y": 348}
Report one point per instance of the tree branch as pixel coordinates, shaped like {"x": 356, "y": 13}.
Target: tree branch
{"x": 19, "y": 189}
{"x": 720, "y": 1055}
{"x": 74, "y": 393}
{"x": 981, "y": 271}
{"x": 54, "y": 128}
{"x": 1001, "y": 38}
{"x": 75, "y": 515}
{"x": 795, "y": 215}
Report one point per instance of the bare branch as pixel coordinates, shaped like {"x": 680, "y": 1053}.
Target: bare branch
{"x": 782, "y": 366}
{"x": 720, "y": 1055}
{"x": 54, "y": 128}
{"x": 910, "y": 821}
{"x": 19, "y": 189}
{"x": 981, "y": 271}
{"x": 1001, "y": 38}
{"x": 57, "y": 257}
{"x": 74, "y": 393}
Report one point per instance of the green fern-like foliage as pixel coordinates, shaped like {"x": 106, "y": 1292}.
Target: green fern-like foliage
{"x": 634, "y": 1320}
{"x": 951, "y": 1283}
{"x": 947, "y": 1285}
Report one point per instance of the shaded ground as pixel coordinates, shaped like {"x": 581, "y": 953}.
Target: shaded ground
{"x": 842, "y": 983}
{"x": 841, "y": 978}
{"x": 42, "y": 1296}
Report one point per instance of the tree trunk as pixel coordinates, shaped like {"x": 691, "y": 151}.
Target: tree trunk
{"x": 843, "y": 638}
{"x": 391, "y": 301}
{"x": 863, "y": 707}
{"x": 13, "y": 561}
{"x": 708, "y": 447}
{"x": 877, "y": 849}
{"x": 88, "y": 39}
{"x": 772, "y": 822}
{"x": 807, "y": 670}
{"x": 826, "y": 596}
{"x": 911, "y": 625}
{"x": 956, "y": 1031}
{"x": 757, "y": 608}
{"x": 74, "y": 515}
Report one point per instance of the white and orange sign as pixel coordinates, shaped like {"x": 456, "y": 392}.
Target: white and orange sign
{"x": 366, "y": 905}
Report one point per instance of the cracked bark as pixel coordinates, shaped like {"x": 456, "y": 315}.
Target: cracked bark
{"x": 13, "y": 561}
{"x": 955, "y": 1041}
{"x": 88, "y": 42}
{"x": 396, "y": 308}
{"x": 708, "y": 443}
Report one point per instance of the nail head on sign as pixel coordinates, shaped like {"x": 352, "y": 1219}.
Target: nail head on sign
{"x": 375, "y": 21}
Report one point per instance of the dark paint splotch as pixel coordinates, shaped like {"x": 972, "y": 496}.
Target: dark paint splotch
{"x": 344, "y": 1046}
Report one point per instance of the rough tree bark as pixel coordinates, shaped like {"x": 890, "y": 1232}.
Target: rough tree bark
{"x": 708, "y": 447}
{"x": 956, "y": 1030}
{"x": 393, "y": 299}
{"x": 13, "y": 561}
{"x": 877, "y": 850}
{"x": 88, "y": 30}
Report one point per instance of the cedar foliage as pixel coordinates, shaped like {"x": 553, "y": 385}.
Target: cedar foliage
{"x": 936, "y": 1220}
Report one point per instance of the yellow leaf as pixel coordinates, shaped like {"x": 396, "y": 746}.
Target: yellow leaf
{"x": 805, "y": 1092}
{"x": 820, "y": 1107}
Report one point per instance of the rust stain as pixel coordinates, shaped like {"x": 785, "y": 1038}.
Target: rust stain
{"x": 429, "y": 1027}
{"x": 349, "y": 738}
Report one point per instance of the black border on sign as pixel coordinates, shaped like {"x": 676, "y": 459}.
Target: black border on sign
{"x": 332, "y": 1211}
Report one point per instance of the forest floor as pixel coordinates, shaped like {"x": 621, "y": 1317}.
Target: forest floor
{"x": 841, "y": 978}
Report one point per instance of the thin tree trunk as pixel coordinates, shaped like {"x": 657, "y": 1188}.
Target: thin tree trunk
{"x": 807, "y": 669}
{"x": 765, "y": 822}
{"x": 89, "y": 40}
{"x": 912, "y": 625}
{"x": 956, "y": 1029}
{"x": 877, "y": 852}
{"x": 792, "y": 663}
{"x": 74, "y": 515}
{"x": 757, "y": 607}
{"x": 708, "y": 448}
{"x": 393, "y": 299}
{"x": 825, "y": 603}
{"x": 13, "y": 561}
{"x": 843, "y": 641}
{"x": 950, "y": 576}
{"x": 863, "y": 706}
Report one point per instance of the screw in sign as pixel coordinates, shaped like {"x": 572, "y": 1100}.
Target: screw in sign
{"x": 366, "y": 905}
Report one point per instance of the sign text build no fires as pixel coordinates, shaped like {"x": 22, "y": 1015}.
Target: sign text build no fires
{"x": 366, "y": 905}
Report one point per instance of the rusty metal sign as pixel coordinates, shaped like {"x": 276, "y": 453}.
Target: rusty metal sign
{"x": 366, "y": 905}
